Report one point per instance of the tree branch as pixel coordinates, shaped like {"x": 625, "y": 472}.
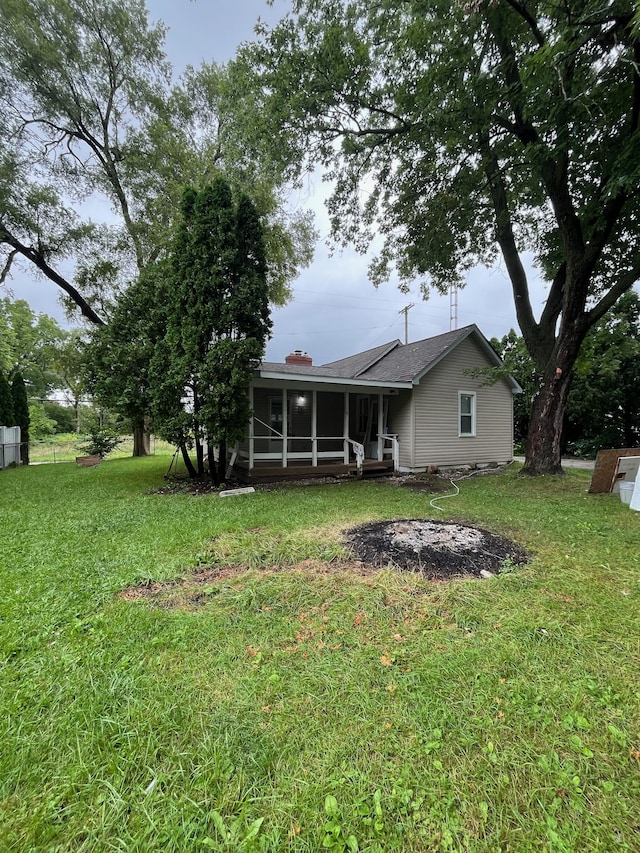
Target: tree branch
{"x": 7, "y": 266}
{"x": 525, "y": 129}
{"x": 553, "y": 306}
{"x": 38, "y": 259}
{"x": 507, "y": 242}
{"x": 530, "y": 20}
{"x": 624, "y": 283}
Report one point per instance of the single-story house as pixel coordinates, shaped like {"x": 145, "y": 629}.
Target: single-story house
{"x": 402, "y": 407}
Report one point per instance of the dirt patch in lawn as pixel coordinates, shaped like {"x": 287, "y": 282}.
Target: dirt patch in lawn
{"x": 437, "y": 550}
{"x": 201, "y": 586}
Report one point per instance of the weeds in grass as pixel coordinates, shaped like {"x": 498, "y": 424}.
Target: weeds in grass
{"x": 297, "y": 703}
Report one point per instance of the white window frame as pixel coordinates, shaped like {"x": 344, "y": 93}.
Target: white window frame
{"x": 472, "y": 396}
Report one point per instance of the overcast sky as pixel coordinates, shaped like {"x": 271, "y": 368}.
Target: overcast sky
{"x": 335, "y": 311}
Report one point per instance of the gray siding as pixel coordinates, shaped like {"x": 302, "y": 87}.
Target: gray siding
{"x": 401, "y": 423}
{"x": 435, "y": 403}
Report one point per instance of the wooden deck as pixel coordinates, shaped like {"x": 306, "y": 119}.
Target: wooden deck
{"x": 269, "y": 473}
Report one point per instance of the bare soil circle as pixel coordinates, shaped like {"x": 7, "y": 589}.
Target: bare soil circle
{"x": 438, "y": 550}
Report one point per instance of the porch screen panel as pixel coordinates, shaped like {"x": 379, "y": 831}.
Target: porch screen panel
{"x": 299, "y": 406}
{"x": 330, "y": 421}
{"x": 267, "y": 420}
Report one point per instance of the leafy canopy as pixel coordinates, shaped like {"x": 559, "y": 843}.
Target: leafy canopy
{"x": 93, "y": 121}
{"x": 30, "y": 344}
{"x": 456, "y": 130}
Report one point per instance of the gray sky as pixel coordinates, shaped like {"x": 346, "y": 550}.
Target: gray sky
{"x": 335, "y": 311}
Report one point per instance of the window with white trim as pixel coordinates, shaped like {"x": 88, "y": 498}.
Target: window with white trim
{"x": 467, "y": 413}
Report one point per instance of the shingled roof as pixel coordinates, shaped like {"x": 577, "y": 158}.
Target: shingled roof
{"x": 356, "y": 365}
{"x": 390, "y": 362}
{"x": 409, "y": 362}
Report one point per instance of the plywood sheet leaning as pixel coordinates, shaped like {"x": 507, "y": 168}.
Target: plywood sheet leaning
{"x": 605, "y": 469}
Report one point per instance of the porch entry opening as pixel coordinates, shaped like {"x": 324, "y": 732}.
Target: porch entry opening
{"x": 369, "y": 425}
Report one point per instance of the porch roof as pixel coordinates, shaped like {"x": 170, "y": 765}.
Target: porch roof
{"x": 298, "y": 374}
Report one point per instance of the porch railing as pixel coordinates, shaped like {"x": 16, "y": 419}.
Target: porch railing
{"x": 315, "y": 452}
{"x": 395, "y": 447}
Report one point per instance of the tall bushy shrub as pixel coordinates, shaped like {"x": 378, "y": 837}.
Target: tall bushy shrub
{"x": 217, "y": 328}
{"x": 21, "y": 415}
{"x": 6, "y": 402}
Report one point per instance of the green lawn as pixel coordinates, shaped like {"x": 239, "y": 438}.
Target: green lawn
{"x": 65, "y": 448}
{"x": 297, "y": 705}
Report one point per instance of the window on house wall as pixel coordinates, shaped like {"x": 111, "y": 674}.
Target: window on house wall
{"x": 467, "y": 412}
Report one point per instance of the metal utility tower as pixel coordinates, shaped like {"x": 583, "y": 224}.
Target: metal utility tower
{"x": 453, "y": 307}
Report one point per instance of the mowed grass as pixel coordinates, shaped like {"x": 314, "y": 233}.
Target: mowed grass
{"x": 65, "y": 448}
{"x": 297, "y": 703}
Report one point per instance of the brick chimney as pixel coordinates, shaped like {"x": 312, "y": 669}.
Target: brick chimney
{"x": 299, "y": 357}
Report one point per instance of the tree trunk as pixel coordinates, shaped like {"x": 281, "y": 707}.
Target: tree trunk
{"x": 187, "y": 462}
{"x": 222, "y": 461}
{"x": 141, "y": 439}
{"x": 213, "y": 471}
{"x": 545, "y": 426}
{"x": 199, "y": 455}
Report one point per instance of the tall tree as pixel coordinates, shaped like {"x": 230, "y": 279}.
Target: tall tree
{"x": 472, "y": 129}
{"x": 6, "y": 402}
{"x": 89, "y": 111}
{"x": 218, "y": 325}
{"x": 118, "y": 359}
{"x": 21, "y": 415}
{"x": 29, "y": 345}
{"x": 69, "y": 362}
{"x": 240, "y": 335}
{"x": 77, "y": 78}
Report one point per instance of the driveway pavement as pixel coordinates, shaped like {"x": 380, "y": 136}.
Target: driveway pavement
{"x": 589, "y": 464}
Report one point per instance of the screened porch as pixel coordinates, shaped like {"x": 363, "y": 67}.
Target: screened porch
{"x": 302, "y": 430}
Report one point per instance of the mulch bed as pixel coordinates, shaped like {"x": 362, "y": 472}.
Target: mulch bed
{"x": 439, "y": 550}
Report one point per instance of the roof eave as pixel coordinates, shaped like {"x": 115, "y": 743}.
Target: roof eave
{"x": 329, "y": 380}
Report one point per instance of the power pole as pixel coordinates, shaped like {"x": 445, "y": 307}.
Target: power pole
{"x": 405, "y": 311}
